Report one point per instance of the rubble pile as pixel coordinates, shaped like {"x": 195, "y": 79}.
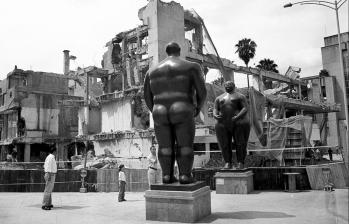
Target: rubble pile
{"x": 100, "y": 162}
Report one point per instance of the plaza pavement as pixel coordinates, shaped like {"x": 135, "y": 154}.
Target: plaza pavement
{"x": 259, "y": 207}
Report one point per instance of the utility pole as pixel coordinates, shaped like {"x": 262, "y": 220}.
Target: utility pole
{"x": 85, "y": 132}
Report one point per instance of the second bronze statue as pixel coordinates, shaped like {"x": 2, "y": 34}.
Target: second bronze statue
{"x": 231, "y": 113}
{"x": 169, "y": 90}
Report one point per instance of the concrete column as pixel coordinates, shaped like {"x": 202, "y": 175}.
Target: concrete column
{"x": 27, "y": 153}
{"x": 5, "y": 129}
{"x": 344, "y": 142}
{"x": 60, "y": 154}
{"x": 333, "y": 135}
{"x": 109, "y": 83}
{"x": 207, "y": 148}
{"x": 129, "y": 71}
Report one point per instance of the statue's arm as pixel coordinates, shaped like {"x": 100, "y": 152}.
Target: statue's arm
{"x": 148, "y": 95}
{"x": 216, "y": 110}
{"x": 244, "y": 109}
{"x": 200, "y": 88}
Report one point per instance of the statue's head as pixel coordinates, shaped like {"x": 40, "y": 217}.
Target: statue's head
{"x": 229, "y": 86}
{"x": 173, "y": 49}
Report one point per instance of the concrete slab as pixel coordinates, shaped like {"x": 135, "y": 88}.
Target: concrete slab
{"x": 258, "y": 207}
{"x": 178, "y": 206}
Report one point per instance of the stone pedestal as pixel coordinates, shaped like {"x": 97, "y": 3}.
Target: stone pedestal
{"x": 178, "y": 203}
{"x": 234, "y": 181}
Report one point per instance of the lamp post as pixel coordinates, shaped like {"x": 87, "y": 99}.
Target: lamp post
{"x": 335, "y": 6}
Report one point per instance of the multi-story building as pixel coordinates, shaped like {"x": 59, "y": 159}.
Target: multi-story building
{"x": 331, "y": 63}
{"x": 36, "y": 111}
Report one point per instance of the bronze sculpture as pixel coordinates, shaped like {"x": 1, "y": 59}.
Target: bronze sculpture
{"x": 169, "y": 94}
{"x": 231, "y": 113}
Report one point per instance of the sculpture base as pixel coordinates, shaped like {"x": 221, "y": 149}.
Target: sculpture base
{"x": 234, "y": 170}
{"x": 237, "y": 182}
{"x": 178, "y": 205}
{"x": 178, "y": 187}
{"x": 83, "y": 190}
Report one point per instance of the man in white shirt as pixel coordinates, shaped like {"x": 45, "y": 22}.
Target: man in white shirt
{"x": 153, "y": 172}
{"x": 122, "y": 183}
{"x": 50, "y": 167}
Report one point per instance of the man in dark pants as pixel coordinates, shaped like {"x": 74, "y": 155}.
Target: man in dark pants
{"x": 122, "y": 183}
{"x": 50, "y": 167}
{"x": 168, "y": 92}
{"x": 230, "y": 111}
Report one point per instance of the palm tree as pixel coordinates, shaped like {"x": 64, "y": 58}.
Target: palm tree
{"x": 324, "y": 73}
{"x": 268, "y": 65}
{"x": 246, "y": 48}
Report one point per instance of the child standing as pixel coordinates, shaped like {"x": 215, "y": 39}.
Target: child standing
{"x": 122, "y": 183}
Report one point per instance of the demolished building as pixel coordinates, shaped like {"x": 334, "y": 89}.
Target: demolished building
{"x": 35, "y": 112}
{"x": 125, "y": 127}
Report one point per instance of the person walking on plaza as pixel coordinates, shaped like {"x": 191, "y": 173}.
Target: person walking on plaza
{"x": 153, "y": 172}
{"x": 50, "y": 167}
{"x": 122, "y": 183}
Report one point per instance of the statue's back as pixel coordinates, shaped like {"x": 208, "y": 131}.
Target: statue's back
{"x": 171, "y": 81}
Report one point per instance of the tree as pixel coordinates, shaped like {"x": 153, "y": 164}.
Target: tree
{"x": 324, "y": 73}
{"x": 218, "y": 81}
{"x": 268, "y": 65}
{"x": 246, "y": 48}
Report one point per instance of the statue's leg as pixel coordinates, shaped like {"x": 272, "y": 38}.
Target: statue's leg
{"x": 166, "y": 153}
{"x": 241, "y": 133}
{"x": 224, "y": 138}
{"x": 185, "y": 133}
{"x": 165, "y": 137}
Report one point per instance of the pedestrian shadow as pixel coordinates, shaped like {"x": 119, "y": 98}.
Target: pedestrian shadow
{"x": 245, "y": 215}
{"x": 61, "y": 207}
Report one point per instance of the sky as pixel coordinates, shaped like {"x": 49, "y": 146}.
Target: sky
{"x": 34, "y": 33}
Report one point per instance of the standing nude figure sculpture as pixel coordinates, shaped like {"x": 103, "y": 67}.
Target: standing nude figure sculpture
{"x": 169, "y": 90}
{"x": 230, "y": 111}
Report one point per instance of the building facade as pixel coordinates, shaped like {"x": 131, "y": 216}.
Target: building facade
{"x": 36, "y": 111}
{"x": 331, "y": 63}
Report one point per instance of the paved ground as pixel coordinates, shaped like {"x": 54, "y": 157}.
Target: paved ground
{"x": 260, "y": 207}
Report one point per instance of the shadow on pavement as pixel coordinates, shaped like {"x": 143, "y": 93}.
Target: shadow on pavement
{"x": 245, "y": 215}
{"x": 129, "y": 200}
{"x": 64, "y": 207}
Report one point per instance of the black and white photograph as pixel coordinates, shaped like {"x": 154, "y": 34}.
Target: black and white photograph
{"x": 174, "y": 111}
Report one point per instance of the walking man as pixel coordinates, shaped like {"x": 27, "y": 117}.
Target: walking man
{"x": 50, "y": 167}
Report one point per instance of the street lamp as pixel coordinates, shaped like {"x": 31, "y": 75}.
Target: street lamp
{"x": 335, "y": 6}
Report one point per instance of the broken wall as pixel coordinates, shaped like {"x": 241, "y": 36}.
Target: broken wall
{"x": 107, "y": 56}
{"x": 130, "y": 151}
{"x": 117, "y": 115}
{"x": 166, "y": 24}
{"x": 40, "y": 112}
{"x": 48, "y": 83}
{"x": 94, "y": 120}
